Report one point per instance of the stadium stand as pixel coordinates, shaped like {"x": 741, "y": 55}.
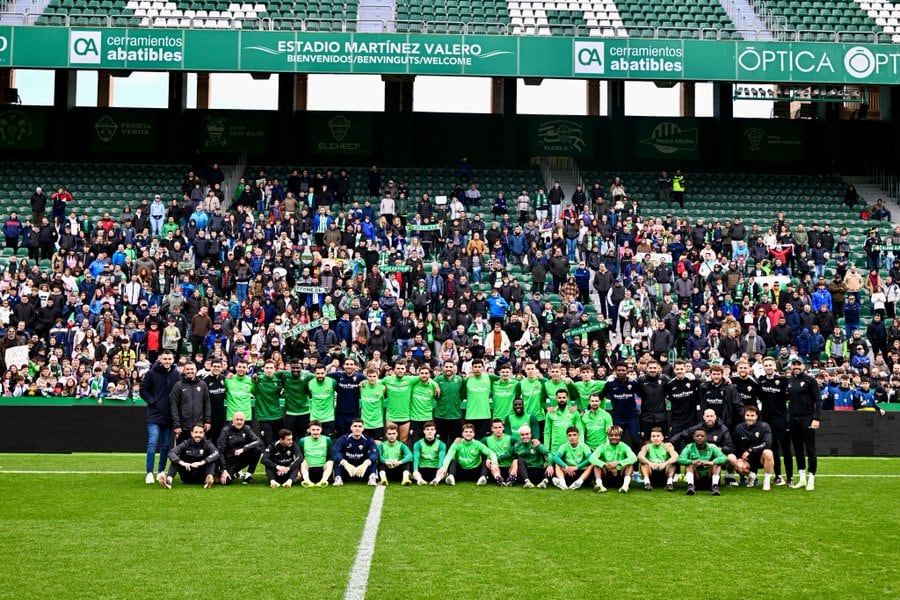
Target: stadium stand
{"x": 820, "y": 20}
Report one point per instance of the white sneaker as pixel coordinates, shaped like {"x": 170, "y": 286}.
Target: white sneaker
{"x": 767, "y": 485}
{"x": 576, "y": 484}
{"x": 481, "y": 481}
{"x": 287, "y": 484}
{"x": 559, "y": 483}
{"x": 779, "y": 481}
{"x": 373, "y": 480}
{"x": 274, "y": 484}
{"x": 542, "y": 485}
{"x": 599, "y": 487}
{"x": 801, "y": 483}
{"x": 528, "y": 485}
{"x": 810, "y": 483}
{"x": 623, "y": 490}
{"x": 420, "y": 481}
{"x": 451, "y": 480}
{"x": 338, "y": 482}
{"x": 149, "y": 479}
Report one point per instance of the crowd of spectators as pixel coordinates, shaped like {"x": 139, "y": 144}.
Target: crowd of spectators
{"x": 300, "y": 269}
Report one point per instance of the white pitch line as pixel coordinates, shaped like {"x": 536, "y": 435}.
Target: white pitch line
{"x": 359, "y": 576}
{"x": 15, "y": 472}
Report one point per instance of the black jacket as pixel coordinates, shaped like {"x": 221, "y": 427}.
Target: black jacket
{"x": 232, "y": 439}
{"x": 276, "y": 455}
{"x": 723, "y": 399}
{"x": 752, "y": 439}
{"x": 190, "y": 451}
{"x": 190, "y": 404}
{"x": 653, "y": 398}
{"x": 806, "y": 399}
{"x": 156, "y": 386}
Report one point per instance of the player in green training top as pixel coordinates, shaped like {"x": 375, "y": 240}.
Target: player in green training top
{"x": 321, "y": 399}
{"x": 464, "y": 458}
{"x": 239, "y": 392}
{"x": 703, "y": 464}
{"x": 531, "y": 460}
{"x": 558, "y": 382}
{"x": 518, "y": 417}
{"x": 295, "y": 384}
{"x": 586, "y": 386}
{"x": 478, "y": 399}
{"x": 317, "y": 464}
{"x": 658, "y": 460}
{"x": 504, "y": 390}
{"x": 571, "y": 461}
{"x": 448, "y": 409}
{"x": 559, "y": 419}
{"x": 501, "y": 444}
{"x": 371, "y": 404}
{"x": 424, "y": 393}
{"x": 613, "y": 462}
{"x": 394, "y": 458}
{"x": 595, "y": 421}
{"x": 532, "y": 389}
{"x": 428, "y": 456}
{"x": 398, "y": 386}
{"x": 267, "y": 388}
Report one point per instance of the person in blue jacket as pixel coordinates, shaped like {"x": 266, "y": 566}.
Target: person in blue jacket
{"x": 355, "y": 456}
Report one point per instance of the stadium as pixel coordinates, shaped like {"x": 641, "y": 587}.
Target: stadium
{"x": 369, "y": 298}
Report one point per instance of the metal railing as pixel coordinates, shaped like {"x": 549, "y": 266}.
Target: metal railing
{"x": 886, "y": 180}
{"x": 778, "y": 25}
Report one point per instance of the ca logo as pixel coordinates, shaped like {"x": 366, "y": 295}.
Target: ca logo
{"x": 590, "y": 57}
{"x": 84, "y": 47}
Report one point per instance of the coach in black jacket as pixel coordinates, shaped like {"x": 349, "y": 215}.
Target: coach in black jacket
{"x": 190, "y": 403}
{"x": 805, "y": 413}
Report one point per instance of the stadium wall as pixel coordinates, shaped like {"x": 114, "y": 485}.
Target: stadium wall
{"x": 436, "y": 139}
{"x": 93, "y": 428}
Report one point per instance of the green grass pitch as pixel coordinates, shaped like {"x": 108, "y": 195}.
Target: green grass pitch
{"x": 112, "y": 536}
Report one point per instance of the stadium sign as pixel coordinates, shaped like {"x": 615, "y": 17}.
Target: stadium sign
{"x": 5, "y": 45}
{"x": 422, "y": 54}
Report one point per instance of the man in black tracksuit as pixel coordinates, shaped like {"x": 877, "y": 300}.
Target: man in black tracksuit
{"x": 681, "y": 393}
{"x": 805, "y": 413}
{"x": 773, "y": 395}
{"x": 239, "y": 448}
{"x": 282, "y": 460}
{"x": 721, "y": 396}
{"x": 753, "y": 443}
{"x": 215, "y": 382}
{"x": 189, "y": 401}
{"x": 194, "y": 460}
{"x": 652, "y": 390}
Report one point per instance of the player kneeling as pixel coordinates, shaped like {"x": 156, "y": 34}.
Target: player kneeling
{"x": 282, "y": 460}
{"x": 428, "y": 456}
{"x": 753, "y": 440}
{"x": 703, "y": 464}
{"x": 317, "y": 465}
{"x": 394, "y": 458}
{"x": 657, "y": 460}
{"x": 613, "y": 462}
{"x": 531, "y": 458}
{"x": 194, "y": 460}
{"x": 463, "y": 459}
{"x": 571, "y": 462}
